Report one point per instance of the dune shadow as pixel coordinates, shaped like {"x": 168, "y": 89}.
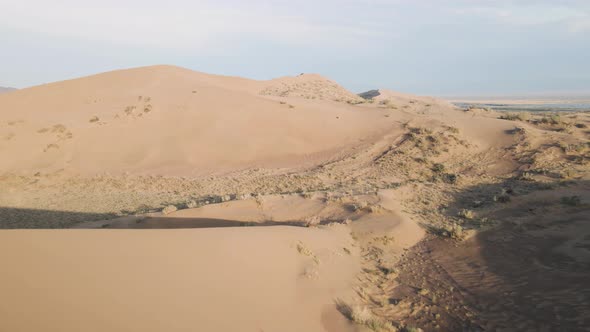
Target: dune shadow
{"x": 11, "y": 218}
{"x": 527, "y": 268}
{"x": 18, "y": 218}
{"x": 161, "y": 222}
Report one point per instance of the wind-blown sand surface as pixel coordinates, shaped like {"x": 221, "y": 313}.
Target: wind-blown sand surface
{"x": 217, "y": 203}
{"x": 237, "y": 279}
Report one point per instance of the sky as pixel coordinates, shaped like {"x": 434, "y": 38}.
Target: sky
{"x": 430, "y": 47}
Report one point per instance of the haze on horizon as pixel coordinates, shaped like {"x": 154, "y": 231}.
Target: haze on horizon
{"x": 442, "y": 47}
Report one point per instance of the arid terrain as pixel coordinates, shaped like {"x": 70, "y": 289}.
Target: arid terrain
{"x": 164, "y": 199}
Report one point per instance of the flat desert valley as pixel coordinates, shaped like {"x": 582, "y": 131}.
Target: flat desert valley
{"x": 163, "y": 199}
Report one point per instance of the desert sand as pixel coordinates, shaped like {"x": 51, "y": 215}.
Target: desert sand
{"x": 213, "y": 203}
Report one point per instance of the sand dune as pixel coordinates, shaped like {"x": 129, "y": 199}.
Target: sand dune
{"x": 169, "y": 120}
{"x": 221, "y": 203}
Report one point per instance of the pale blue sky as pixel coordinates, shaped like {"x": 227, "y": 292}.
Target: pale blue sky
{"x": 436, "y": 47}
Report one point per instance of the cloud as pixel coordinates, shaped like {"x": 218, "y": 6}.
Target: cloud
{"x": 422, "y": 46}
{"x": 193, "y": 25}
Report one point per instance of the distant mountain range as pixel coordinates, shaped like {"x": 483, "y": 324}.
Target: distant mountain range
{"x": 3, "y": 89}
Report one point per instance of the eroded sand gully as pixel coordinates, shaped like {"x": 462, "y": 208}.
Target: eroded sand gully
{"x": 394, "y": 213}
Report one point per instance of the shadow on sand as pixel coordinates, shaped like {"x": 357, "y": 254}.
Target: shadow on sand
{"x": 529, "y": 271}
{"x": 16, "y": 218}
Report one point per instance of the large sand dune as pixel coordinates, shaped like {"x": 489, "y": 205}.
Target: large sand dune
{"x": 170, "y": 120}
{"x": 220, "y": 203}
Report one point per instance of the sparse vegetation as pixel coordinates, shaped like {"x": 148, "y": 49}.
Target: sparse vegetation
{"x": 520, "y": 116}
{"x": 571, "y": 200}
{"x": 570, "y": 148}
{"x": 438, "y": 168}
{"x": 302, "y": 249}
{"x": 169, "y": 209}
{"x": 466, "y": 214}
{"x": 526, "y": 176}
{"x": 453, "y": 130}
{"x": 312, "y": 221}
{"x": 94, "y": 119}
{"x": 363, "y": 316}
{"x": 553, "y": 119}
{"x": 450, "y": 230}
{"x": 129, "y": 110}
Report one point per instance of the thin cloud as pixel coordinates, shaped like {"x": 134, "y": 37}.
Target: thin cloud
{"x": 187, "y": 25}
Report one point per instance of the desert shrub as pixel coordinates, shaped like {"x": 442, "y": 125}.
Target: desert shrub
{"x": 566, "y": 174}
{"x": 503, "y": 197}
{"x": 438, "y": 168}
{"x": 420, "y": 131}
{"x": 466, "y": 214}
{"x": 362, "y": 315}
{"x": 517, "y": 130}
{"x": 571, "y": 200}
{"x": 411, "y": 329}
{"x": 312, "y": 221}
{"x": 450, "y": 230}
{"x": 521, "y": 116}
{"x": 555, "y": 119}
{"x": 94, "y": 119}
{"x": 526, "y": 176}
{"x": 580, "y": 147}
{"x": 565, "y": 127}
{"x": 169, "y": 209}
{"x": 355, "y": 102}
{"x": 129, "y": 110}
{"x": 552, "y": 119}
{"x": 453, "y": 130}
{"x": 450, "y": 178}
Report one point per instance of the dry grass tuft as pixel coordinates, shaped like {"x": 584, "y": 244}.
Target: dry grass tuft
{"x": 302, "y": 249}
{"x": 466, "y": 214}
{"x": 362, "y": 315}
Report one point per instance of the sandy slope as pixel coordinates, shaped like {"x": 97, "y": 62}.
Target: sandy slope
{"x": 238, "y": 279}
{"x": 169, "y": 120}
